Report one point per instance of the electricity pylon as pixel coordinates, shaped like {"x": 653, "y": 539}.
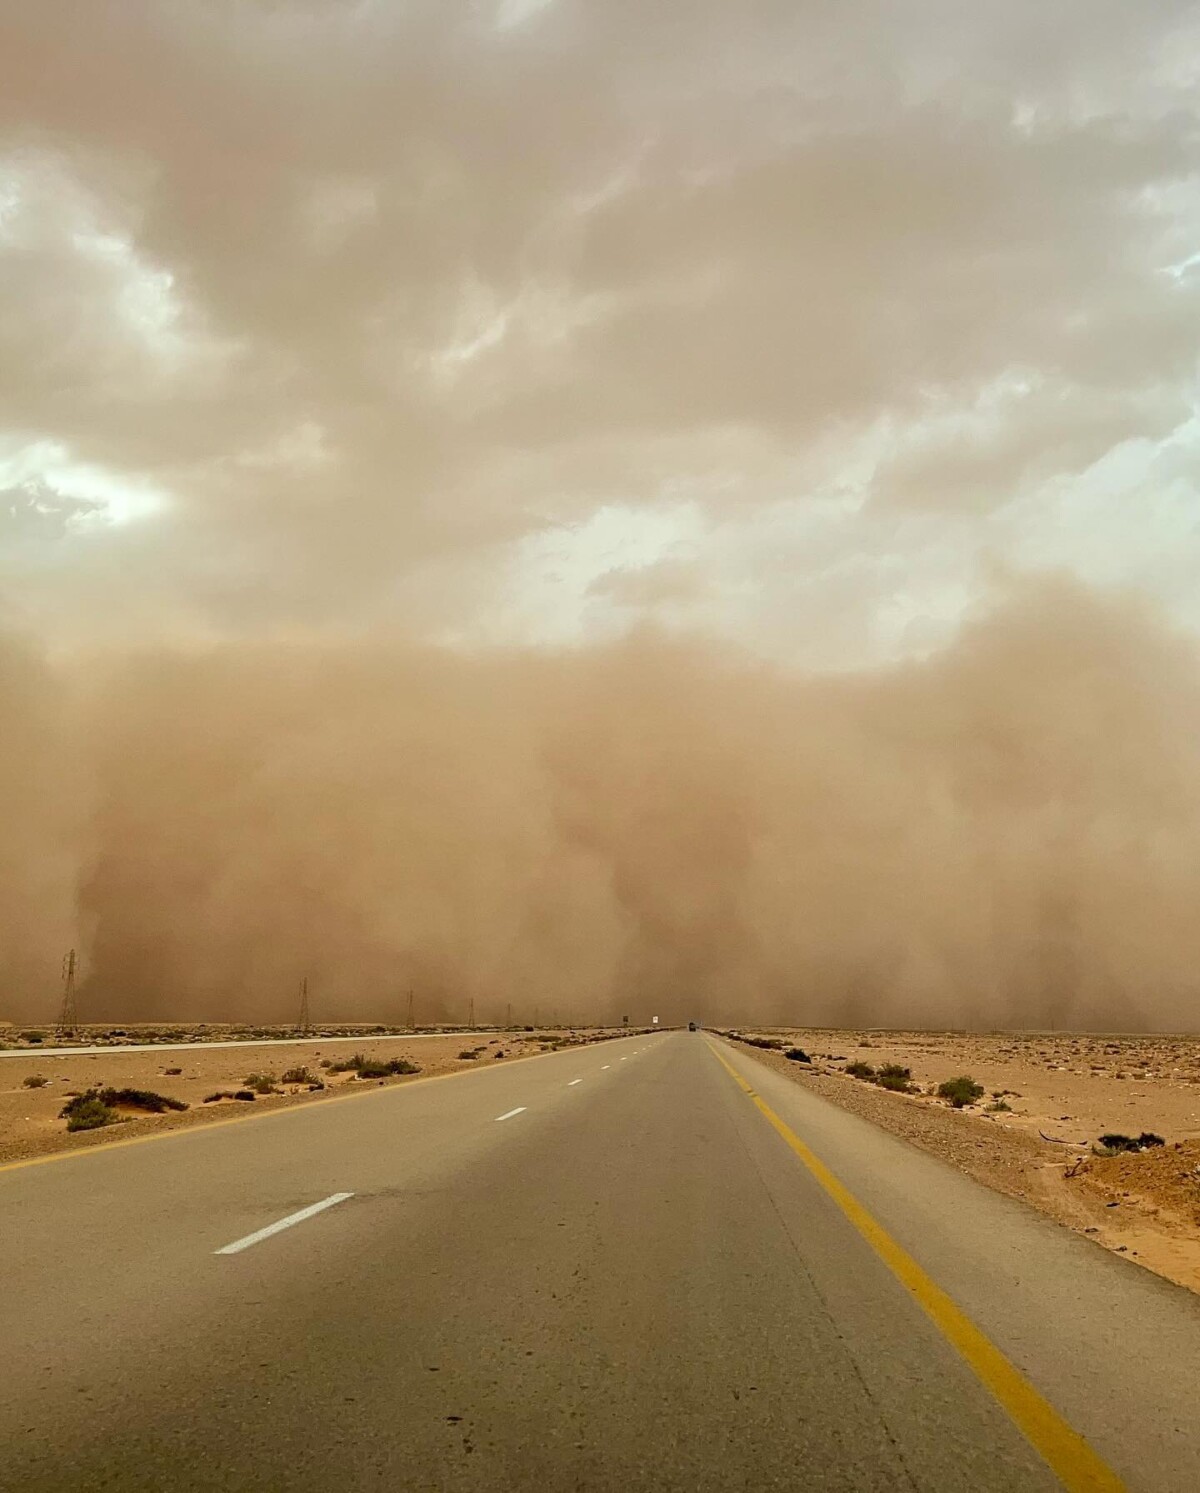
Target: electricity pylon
{"x": 68, "y": 1019}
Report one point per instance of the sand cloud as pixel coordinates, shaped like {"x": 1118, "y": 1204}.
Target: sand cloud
{"x": 1003, "y": 834}
{"x": 491, "y": 495}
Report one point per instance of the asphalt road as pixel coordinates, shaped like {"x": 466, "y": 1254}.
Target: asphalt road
{"x": 609, "y": 1268}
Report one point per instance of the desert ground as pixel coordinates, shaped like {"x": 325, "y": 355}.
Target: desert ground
{"x": 1035, "y": 1132}
{"x": 31, "y": 1123}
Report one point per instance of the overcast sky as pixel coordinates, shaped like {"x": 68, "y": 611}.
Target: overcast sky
{"x": 797, "y": 323}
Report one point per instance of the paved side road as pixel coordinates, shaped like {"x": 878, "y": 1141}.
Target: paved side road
{"x": 109, "y": 1049}
{"x": 607, "y": 1268}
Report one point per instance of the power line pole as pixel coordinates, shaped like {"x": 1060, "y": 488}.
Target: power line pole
{"x": 471, "y": 1019}
{"x": 68, "y": 1019}
{"x": 508, "y": 1014}
{"x": 305, "y": 1023}
{"x": 411, "y": 1024}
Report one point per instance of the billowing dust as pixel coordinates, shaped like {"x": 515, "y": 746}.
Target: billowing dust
{"x": 1005, "y": 834}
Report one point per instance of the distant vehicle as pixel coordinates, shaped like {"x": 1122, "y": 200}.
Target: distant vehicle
{"x": 693, "y": 1026}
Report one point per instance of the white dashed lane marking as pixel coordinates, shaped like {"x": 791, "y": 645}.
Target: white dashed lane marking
{"x": 284, "y": 1223}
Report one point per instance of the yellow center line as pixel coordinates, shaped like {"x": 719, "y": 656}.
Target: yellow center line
{"x": 1077, "y": 1466}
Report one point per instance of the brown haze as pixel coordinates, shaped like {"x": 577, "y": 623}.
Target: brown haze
{"x": 502, "y": 498}
{"x": 1004, "y": 834}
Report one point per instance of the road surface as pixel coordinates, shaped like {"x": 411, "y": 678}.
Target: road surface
{"x": 607, "y": 1268}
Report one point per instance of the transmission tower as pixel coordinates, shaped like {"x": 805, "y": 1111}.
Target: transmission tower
{"x": 68, "y": 1019}
{"x": 305, "y": 1022}
{"x": 471, "y": 1019}
{"x": 411, "y": 1025}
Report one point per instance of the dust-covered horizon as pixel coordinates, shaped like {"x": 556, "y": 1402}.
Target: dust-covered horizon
{"x": 1004, "y": 834}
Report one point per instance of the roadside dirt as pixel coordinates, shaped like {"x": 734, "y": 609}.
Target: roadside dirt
{"x": 1072, "y": 1089}
{"x": 31, "y": 1123}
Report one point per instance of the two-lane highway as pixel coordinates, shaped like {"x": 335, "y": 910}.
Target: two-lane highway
{"x": 633, "y": 1265}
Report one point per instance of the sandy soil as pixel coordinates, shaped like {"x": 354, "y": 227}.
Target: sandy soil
{"x": 1063, "y": 1093}
{"x": 30, "y": 1123}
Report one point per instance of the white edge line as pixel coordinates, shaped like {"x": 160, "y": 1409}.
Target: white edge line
{"x": 284, "y": 1223}
{"x": 573, "y": 1082}
{"x": 604, "y": 1065}
{"x": 520, "y": 1110}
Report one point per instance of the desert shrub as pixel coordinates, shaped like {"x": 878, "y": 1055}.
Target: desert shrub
{"x": 1118, "y": 1142}
{"x": 378, "y": 1068}
{"x": 500, "y": 1052}
{"x": 471, "y": 1053}
{"x": 247, "y": 1095}
{"x": 220, "y": 1094}
{"x": 797, "y": 1055}
{"x": 261, "y": 1083}
{"x": 90, "y": 1114}
{"x": 147, "y": 1099}
{"x": 32, "y": 1036}
{"x": 34, "y": 1081}
{"x": 364, "y": 1067}
{"x": 860, "y": 1070}
{"x": 998, "y": 1106}
{"x": 960, "y": 1091}
{"x": 87, "y": 1112}
{"x": 895, "y": 1078}
{"x": 172, "y": 1072}
{"x": 297, "y": 1075}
